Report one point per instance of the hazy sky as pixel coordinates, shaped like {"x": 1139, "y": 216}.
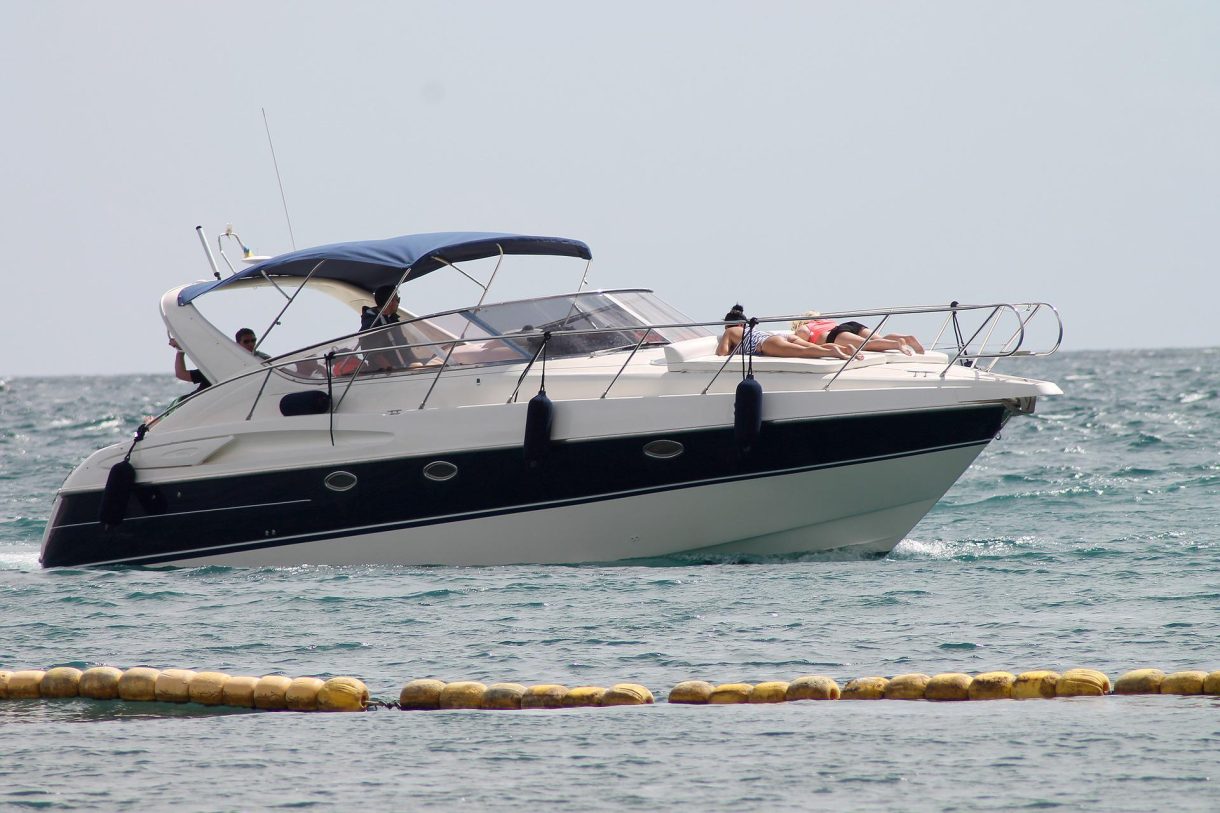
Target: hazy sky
{"x": 794, "y": 155}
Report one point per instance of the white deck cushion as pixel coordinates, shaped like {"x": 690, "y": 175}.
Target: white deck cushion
{"x": 690, "y": 349}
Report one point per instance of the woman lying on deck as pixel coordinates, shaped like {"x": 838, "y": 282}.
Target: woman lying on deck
{"x": 763, "y": 343}
{"x": 852, "y": 335}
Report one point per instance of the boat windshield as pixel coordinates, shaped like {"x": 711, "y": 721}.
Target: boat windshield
{"x": 581, "y": 324}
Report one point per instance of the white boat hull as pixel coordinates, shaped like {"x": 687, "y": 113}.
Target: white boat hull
{"x": 866, "y": 508}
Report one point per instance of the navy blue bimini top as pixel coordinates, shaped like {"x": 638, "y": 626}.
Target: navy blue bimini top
{"x": 368, "y": 264}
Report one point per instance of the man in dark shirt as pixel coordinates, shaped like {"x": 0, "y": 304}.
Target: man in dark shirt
{"x": 183, "y": 374}
{"x": 248, "y": 339}
{"x": 383, "y": 312}
{"x": 245, "y": 338}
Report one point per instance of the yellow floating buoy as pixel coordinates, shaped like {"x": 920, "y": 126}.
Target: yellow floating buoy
{"x": 769, "y": 691}
{"x": 174, "y": 685}
{"x": 100, "y": 682}
{"x": 1082, "y": 683}
{"x": 627, "y": 694}
{"x": 582, "y": 696}
{"x": 694, "y": 692}
{"x": 238, "y": 691}
{"x": 503, "y": 696}
{"x": 992, "y": 686}
{"x": 139, "y": 683}
{"x": 207, "y": 688}
{"x": 1183, "y": 683}
{"x": 948, "y": 686}
{"x": 271, "y": 691}
{"x": 343, "y": 694}
{"x": 302, "y": 694}
{"x": 4, "y": 673}
{"x": 865, "y": 688}
{"x": 25, "y": 684}
{"x": 1039, "y": 683}
{"x": 1211, "y": 684}
{"x": 61, "y": 681}
{"x": 544, "y": 696}
{"x": 421, "y": 694}
{"x": 727, "y": 693}
{"x": 1139, "y": 681}
{"x": 813, "y": 687}
{"x": 464, "y": 694}
{"x": 907, "y": 687}
{"x": 1095, "y": 674}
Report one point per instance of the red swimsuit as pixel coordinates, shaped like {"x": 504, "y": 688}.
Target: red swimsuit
{"x": 818, "y": 328}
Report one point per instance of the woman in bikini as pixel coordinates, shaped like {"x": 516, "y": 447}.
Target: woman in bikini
{"x": 764, "y": 343}
{"x": 852, "y": 335}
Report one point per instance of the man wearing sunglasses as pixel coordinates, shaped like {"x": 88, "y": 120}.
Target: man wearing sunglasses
{"x": 244, "y": 337}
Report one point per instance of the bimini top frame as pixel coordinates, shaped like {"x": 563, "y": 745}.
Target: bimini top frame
{"x": 368, "y": 264}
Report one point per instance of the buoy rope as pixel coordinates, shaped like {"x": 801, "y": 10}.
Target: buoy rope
{"x": 748, "y": 363}
{"x": 141, "y": 431}
{"x": 957, "y": 333}
{"x": 330, "y": 395}
{"x": 378, "y": 703}
{"x": 546, "y": 337}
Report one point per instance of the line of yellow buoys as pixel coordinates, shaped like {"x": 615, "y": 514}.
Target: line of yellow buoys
{"x": 272, "y": 692}
{"x": 278, "y": 692}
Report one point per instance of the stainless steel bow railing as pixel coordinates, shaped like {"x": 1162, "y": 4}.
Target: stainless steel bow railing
{"x": 979, "y": 346}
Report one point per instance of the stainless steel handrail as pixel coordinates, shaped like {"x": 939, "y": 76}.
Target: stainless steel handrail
{"x": 1011, "y": 347}
{"x": 627, "y": 360}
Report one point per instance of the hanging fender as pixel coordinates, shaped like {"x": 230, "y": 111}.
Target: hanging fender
{"x": 747, "y": 414}
{"x": 539, "y": 415}
{"x": 119, "y": 484}
{"x": 309, "y": 402}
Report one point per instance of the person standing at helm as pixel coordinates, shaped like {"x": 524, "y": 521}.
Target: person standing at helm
{"x": 383, "y": 312}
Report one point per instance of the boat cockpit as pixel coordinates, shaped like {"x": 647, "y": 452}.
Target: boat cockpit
{"x": 501, "y": 333}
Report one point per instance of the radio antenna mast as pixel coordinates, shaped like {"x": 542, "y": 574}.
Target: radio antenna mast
{"x": 278, "y": 179}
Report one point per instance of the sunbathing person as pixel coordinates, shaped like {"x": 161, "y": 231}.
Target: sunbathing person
{"x": 764, "y": 343}
{"x": 852, "y": 335}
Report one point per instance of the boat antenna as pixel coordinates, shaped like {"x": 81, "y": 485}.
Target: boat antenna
{"x": 278, "y": 179}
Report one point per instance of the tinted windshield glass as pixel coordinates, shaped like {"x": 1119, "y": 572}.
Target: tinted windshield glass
{"x": 585, "y": 312}
{"x": 580, "y": 324}
{"x": 653, "y": 311}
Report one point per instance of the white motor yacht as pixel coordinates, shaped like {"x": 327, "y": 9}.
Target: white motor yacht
{"x": 596, "y": 426}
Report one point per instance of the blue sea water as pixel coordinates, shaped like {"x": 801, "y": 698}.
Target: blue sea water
{"x": 1088, "y": 535}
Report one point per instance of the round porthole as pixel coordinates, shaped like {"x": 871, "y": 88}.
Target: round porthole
{"x": 440, "y": 470}
{"x": 663, "y": 449}
{"x": 340, "y": 481}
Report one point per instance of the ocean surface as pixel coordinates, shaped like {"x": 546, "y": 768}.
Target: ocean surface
{"x": 1087, "y": 535}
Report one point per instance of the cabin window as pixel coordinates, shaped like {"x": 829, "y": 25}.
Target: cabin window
{"x": 663, "y": 449}
{"x": 340, "y": 481}
{"x": 440, "y": 470}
